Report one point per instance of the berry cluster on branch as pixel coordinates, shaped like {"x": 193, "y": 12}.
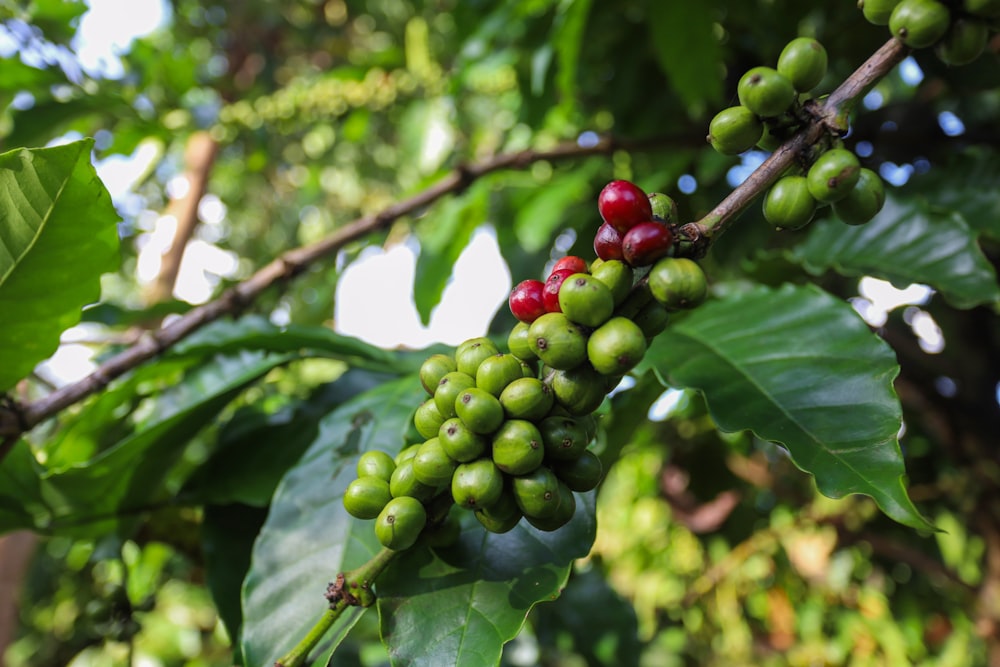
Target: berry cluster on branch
{"x": 507, "y": 435}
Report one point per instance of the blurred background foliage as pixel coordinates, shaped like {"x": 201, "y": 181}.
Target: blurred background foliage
{"x": 712, "y": 549}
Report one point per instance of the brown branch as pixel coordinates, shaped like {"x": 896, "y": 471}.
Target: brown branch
{"x": 284, "y": 267}
{"x": 199, "y": 155}
{"x": 829, "y": 117}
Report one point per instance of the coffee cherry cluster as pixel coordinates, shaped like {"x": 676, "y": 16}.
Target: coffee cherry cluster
{"x": 958, "y": 30}
{"x": 771, "y": 99}
{"x": 507, "y": 434}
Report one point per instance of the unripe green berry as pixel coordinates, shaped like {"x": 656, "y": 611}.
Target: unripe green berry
{"x": 919, "y": 23}
{"x": 765, "y": 92}
{"x": 877, "y": 11}
{"x": 988, "y": 9}
{"x": 615, "y": 347}
{"x": 496, "y": 372}
{"x": 435, "y": 368}
{"x": 537, "y": 493}
{"x": 399, "y": 524}
{"x": 406, "y": 454}
{"x": 428, "y": 419}
{"x": 652, "y": 319}
{"x": 501, "y": 516}
{"x": 450, "y": 386}
{"x": 964, "y": 42}
{"x": 557, "y": 341}
{"x": 581, "y": 474}
{"x": 578, "y": 390}
{"x": 789, "y": 204}
{"x": 432, "y": 465}
{"x": 664, "y": 208}
{"x": 562, "y": 515}
{"x": 833, "y": 175}
{"x": 376, "y": 463}
{"x": 678, "y": 283}
{"x": 734, "y": 130}
{"x": 470, "y": 353}
{"x": 404, "y": 481}
{"x": 803, "y": 61}
{"x": 479, "y": 410}
{"x": 863, "y": 202}
{"x": 517, "y": 447}
{"x": 365, "y": 497}
{"x": 518, "y": 343}
{"x": 617, "y": 276}
{"x": 564, "y": 438}
{"x": 527, "y": 398}
{"x": 461, "y": 443}
{"x": 477, "y": 484}
{"x": 586, "y": 300}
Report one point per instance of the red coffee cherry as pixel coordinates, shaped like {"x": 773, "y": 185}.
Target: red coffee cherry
{"x": 577, "y": 264}
{"x": 646, "y": 242}
{"x": 623, "y": 205}
{"x": 550, "y": 293}
{"x": 526, "y": 303}
{"x": 608, "y": 243}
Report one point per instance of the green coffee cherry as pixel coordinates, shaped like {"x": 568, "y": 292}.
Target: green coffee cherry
{"x": 964, "y": 42}
{"x": 501, "y": 516}
{"x": 652, "y": 319}
{"x": 789, "y": 204}
{"x": 459, "y": 442}
{"x": 428, "y": 419}
{"x": 635, "y": 301}
{"x": 517, "y": 447}
{"x": 734, "y": 130}
{"x": 537, "y": 493}
{"x": 615, "y": 347}
{"x": 470, "y": 353}
{"x": 518, "y": 343}
{"x": 404, "y": 481}
{"x": 406, "y": 454}
{"x": 433, "y": 369}
{"x": 803, "y": 61}
{"x": 877, "y": 11}
{"x": 527, "y": 398}
{"x": 664, "y": 208}
{"x": 919, "y": 23}
{"x": 477, "y": 484}
{"x": 581, "y": 474}
{"x": 479, "y": 410}
{"x": 564, "y": 512}
{"x": 586, "y": 300}
{"x": 365, "y": 497}
{"x": 432, "y": 465}
{"x": 498, "y": 371}
{"x": 399, "y": 524}
{"x": 557, "y": 341}
{"x": 987, "y": 9}
{"x": 617, "y": 276}
{"x": 564, "y": 438}
{"x": 376, "y": 463}
{"x": 833, "y": 175}
{"x": 765, "y": 92}
{"x": 448, "y": 389}
{"x": 578, "y": 390}
{"x": 678, "y": 283}
{"x": 864, "y": 201}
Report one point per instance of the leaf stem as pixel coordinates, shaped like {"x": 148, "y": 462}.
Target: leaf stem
{"x": 829, "y": 117}
{"x": 351, "y": 589}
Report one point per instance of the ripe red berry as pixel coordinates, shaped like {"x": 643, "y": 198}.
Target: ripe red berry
{"x": 550, "y": 295}
{"x": 646, "y": 242}
{"x": 578, "y": 264}
{"x": 526, "y": 302}
{"x": 608, "y": 243}
{"x": 623, "y": 205}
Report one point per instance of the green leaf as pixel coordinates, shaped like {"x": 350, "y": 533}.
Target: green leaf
{"x": 683, "y": 34}
{"x": 98, "y": 495}
{"x": 544, "y": 210}
{"x": 567, "y": 35}
{"x": 257, "y": 333}
{"x": 308, "y": 536}
{"x": 799, "y": 368}
{"x": 20, "y": 492}
{"x": 966, "y": 185}
{"x": 906, "y": 243}
{"x": 443, "y": 237}
{"x": 58, "y": 234}
{"x": 458, "y": 606}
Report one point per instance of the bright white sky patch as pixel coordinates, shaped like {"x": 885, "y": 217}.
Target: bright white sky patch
{"x": 108, "y": 29}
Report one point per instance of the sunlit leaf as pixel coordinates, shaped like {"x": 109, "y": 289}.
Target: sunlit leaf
{"x": 683, "y": 34}
{"x": 799, "y": 368}
{"x": 58, "y": 234}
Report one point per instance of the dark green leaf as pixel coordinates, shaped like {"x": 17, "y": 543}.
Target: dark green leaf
{"x": 227, "y": 536}
{"x": 58, "y": 235}
{"x": 308, "y": 536}
{"x": 906, "y": 243}
{"x": 967, "y": 185}
{"x": 443, "y": 237}
{"x": 683, "y": 34}
{"x": 257, "y": 333}
{"x": 568, "y": 32}
{"x": 544, "y": 210}
{"x": 459, "y": 606}
{"x": 90, "y": 497}
{"x": 20, "y": 491}
{"x": 799, "y": 368}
